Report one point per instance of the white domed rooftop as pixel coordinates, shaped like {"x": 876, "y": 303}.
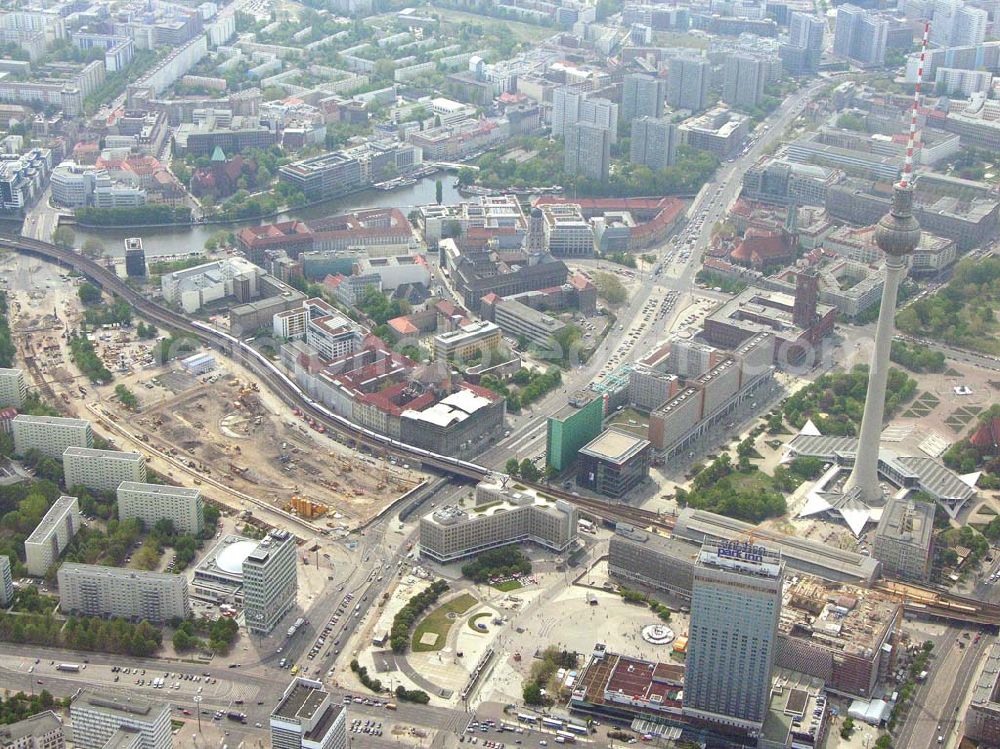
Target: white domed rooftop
{"x": 232, "y": 557}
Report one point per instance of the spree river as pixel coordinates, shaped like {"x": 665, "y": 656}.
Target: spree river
{"x": 185, "y": 240}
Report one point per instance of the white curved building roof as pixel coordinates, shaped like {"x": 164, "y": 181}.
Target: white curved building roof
{"x": 231, "y": 558}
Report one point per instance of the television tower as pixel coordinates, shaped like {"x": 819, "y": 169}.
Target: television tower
{"x": 897, "y": 234}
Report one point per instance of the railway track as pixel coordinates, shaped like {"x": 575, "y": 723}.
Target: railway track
{"x": 175, "y": 322}
{"x": 917, "y": 599}
{"x": 293, "y": 397}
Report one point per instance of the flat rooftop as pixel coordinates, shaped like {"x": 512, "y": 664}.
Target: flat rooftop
{"x": 36, "y": 725}
{"x": 741, "y": 557}
{"x": 668, "y": 546}
{"x": 799, "y": 553}
{"x": 301, "y": 701}
{"x": 119, "y": 573}
{"x": 270, "y": 543}
{"x": 630, "y": 683}
{"x": 577, "y": 401}
{"x": 474, "y": 330}
{"x": 322, "y": 726}
{"x": 495, "y": 502}
{"x": 908, "y": 521}
{"x": 842, "y": 618}
{"x": 614, "y": 446}
{"x": 160, "y": 489}
{"x": 987, "y": 689}
{"x": 54, "y": 515}
{"x": 52, "y": 420}
{"x": 136, "y": 707}
{"x": 794, "y": 699}
{"x": 93, "y": 452}
{"x": 760, "y": 311}
{"x": 124, "y": 738}
{"x": 531, "y": 315}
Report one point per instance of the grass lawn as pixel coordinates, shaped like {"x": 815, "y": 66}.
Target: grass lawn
{"x": 508, "y": 586}
{"x": 630, "y": 420}
{"x": 476, "y": 618}
{"x": 522, "y": 32}
{"x": 438, "y": 622}
{"x": 754, "y": 480}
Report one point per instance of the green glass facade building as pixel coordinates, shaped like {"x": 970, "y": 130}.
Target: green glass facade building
{"x": 579, "y": 422}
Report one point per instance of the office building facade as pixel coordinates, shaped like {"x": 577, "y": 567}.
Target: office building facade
{"x": 860, "y": 36}
{"x": 41, "y": 731}
{"x": 97, "y": 590}
{"x": 96, "y": 718}
{"x": 687, "y": 84}
{"x": 653, "y": 143}
{"x": 472, "y": 340}
{"x": 307, "y": 718}
{"x": 805, "y": 45}
{"x": 587, "y": 151}
{"x": 642, "y": 96}
{"x": 572, "y": 427}
{"x": 735, "y": 610}
{"x": 519, "y": 321}
{"x": 502, "y": 515}
{"x": 135, "y": 258}
{"x": 982, "y": 717}
{"x": 955, "y": 23}
{"x": 657, "y": 562}
{"x": 744, "y": 81}
{"x": 52, "y": 535}
{"x": 152, "y": 502}
{"x": 904, "y": 539}
{"x": 572, "y": 105}
{"x": 50, "y": 435}
{"x": 270, "y": 581}
{"x": 614, "y": 463}
{"x": 102, "y": 470}
{"x": 566, "y": 232}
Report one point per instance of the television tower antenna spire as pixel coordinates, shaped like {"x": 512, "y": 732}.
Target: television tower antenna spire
{"x": 897, "y": 234}
{"x": 907, "y": 177}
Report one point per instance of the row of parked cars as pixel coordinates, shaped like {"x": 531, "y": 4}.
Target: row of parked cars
{"x": 371, "y": 727}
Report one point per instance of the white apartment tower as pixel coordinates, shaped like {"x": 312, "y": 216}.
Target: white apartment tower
{"x": 95, "y": 719}
{"x": 52, "y": 535}
{"x": 270, "y": 581}
{"x": 152, "y": 502}
{"x": 13, "y": 391}
{"x": 50, "y": 435}
{"x": 102, "y": 470}
{"x": 96, "y": 590}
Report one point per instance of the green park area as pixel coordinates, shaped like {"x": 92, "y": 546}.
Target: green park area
{"x": 432, "y": 632}
{"x": 962, "y": 312}
{"x": 508, "y": 585}
{"x": 453, "y": 20}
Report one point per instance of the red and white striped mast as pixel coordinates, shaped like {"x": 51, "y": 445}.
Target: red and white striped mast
{"x": 907, "y": 177}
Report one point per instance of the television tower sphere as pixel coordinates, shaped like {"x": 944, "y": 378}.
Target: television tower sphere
{"x": 898, "y": 233}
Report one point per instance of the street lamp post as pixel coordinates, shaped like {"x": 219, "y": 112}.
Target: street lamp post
{"x": 197, "y": 709}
